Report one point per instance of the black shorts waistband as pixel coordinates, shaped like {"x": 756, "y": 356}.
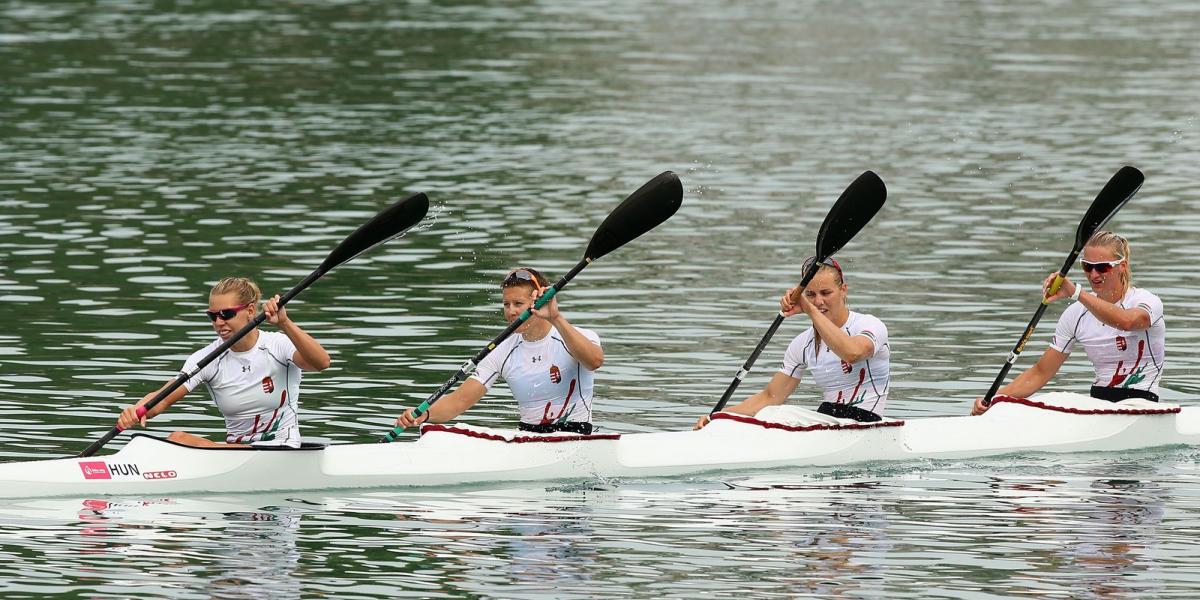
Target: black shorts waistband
{"x": 569, "y": 427}
{"x": 845, "y": 411}
{"x": 1113, "y": 394}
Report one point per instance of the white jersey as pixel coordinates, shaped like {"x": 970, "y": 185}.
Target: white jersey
{"x": 863, "y": 384}
{"x": 1122, "y": 359}
{"x": 257, "y": 391}
{"x": 549, "y": 384}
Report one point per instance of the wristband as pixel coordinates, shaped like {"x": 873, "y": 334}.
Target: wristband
{"x": 1075, "y": 296}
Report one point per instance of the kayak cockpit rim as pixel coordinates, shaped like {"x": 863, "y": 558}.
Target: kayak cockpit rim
{"x": 303, "y": 445}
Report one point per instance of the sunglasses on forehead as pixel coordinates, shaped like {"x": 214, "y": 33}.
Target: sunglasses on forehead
{"x": 518, "y": 276}
{"x": 1100, "y": 267}
{"x": 808, "y": 263}
{"x": 225, "y": 313}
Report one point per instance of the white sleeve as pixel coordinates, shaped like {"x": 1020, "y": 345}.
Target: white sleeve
{"x": 1149, "y": 303}
{"x": 282, "y": 347}
{"x": 206, "y": 373}
{"x": 794, "y": 364}
{"x": 873, "y": 329}
{"x": 1064, "y": 333}
{"x": 591, "y": 336}
{"x": 488, "y": 369}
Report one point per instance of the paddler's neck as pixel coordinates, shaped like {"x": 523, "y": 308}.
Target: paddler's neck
{"x": 839, "y": 318}
{"x": 1115, "y": 296}
{"x": 246, "y": 343}
{"x": 536, "y": 330}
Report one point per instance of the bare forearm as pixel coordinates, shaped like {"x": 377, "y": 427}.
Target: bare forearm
{"x": 129, "y": 416}
{"x": 777, "y": 391}
{"x": 847, "y": 347}
{"x": 312, "y": 355}
{"x": 590, "y": 355}
{"x": 1027, "y": 383}
{"x": 750, "y": 406}
{"x": 1113, "y": 315}
{"x": 450, "y": 406}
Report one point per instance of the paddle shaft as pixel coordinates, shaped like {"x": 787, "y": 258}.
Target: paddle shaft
{"x": 1037, "y": 316}
{"x": 469, "y": 366}
{"x": 184, "y": 377}
{"x": 1119, "y": 189}
{"x": 762, "y": 344}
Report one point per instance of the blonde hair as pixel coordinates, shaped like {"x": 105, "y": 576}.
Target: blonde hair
{"x": 247, "y": 291}
{"x": 1119, "y": 246}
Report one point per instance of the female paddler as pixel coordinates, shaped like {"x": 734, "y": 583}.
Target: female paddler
{"x": 549, "y": 365}
{"x": 846, "y": 351}
{"x": 256, "y": 383}
{"x": 1120, "y": 327}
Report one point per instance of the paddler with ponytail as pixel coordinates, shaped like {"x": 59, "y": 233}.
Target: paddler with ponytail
{"x": 846, "y": 351}
{"x": 1120, "y": 327}
{"x": 256, "y": 383}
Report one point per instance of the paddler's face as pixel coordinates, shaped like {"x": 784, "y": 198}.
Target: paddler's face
{"x": 1110, "y": 280}
{"x": 227, "y": 327}
{"x": 824, "y": 293}
{"x": 517, "y": 298}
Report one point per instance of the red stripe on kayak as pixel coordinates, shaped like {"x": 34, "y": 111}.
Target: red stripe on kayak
{"x": 520, "y": 439}
{"x": 818, "y": 427}
{"x": 1088, "y": 411}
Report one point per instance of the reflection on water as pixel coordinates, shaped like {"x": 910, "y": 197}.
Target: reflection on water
{"x": 159, "y": 547}
{"x": 152, "y": 148}
{"x": 942, "y": 529}
{"x": 147, "y": 162}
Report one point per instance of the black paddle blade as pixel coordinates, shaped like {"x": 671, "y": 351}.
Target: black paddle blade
{"x": 852, "y": 211}
{"x": 643, "y": 210}
{"x": 1123, "y": 185}
{"x": 389, "y": 223}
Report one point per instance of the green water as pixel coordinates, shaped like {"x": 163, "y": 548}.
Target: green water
{"x": 150, "y": 148}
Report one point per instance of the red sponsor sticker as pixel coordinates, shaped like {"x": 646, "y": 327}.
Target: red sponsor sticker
{"x": 95, "y": 470}
{"x": 160, "y": 475}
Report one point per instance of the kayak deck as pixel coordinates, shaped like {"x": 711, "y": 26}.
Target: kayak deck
{"x": 458, "y": 454}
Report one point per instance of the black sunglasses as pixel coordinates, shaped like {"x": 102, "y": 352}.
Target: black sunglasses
{"x": 225, "y": 313}
{"x": 1100, "y": 267}
{"x": 808, "y": 263}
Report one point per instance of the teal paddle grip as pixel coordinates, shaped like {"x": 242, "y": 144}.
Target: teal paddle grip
{"x": 545, "y": 297}
{"x": 394, "y": 434}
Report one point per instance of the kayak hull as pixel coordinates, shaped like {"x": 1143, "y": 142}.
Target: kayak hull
{"x": 452, "y": 455}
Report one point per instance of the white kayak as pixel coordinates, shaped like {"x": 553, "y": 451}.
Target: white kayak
{"x": 461, "y": 454}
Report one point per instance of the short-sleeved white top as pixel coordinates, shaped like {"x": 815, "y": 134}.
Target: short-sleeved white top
{"x": 258, "y": 391}
{"x": 550, "y": 386}
{"x": 1122, "y": 359}
{"x": 863, "y": 384}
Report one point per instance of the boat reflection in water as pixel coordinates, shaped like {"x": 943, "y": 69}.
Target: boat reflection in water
{"x": 836, "y": 551}
{"x": 240, "y": 547}
{"x": 856, "y": 532}
{"x": 1096, "y": 537}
